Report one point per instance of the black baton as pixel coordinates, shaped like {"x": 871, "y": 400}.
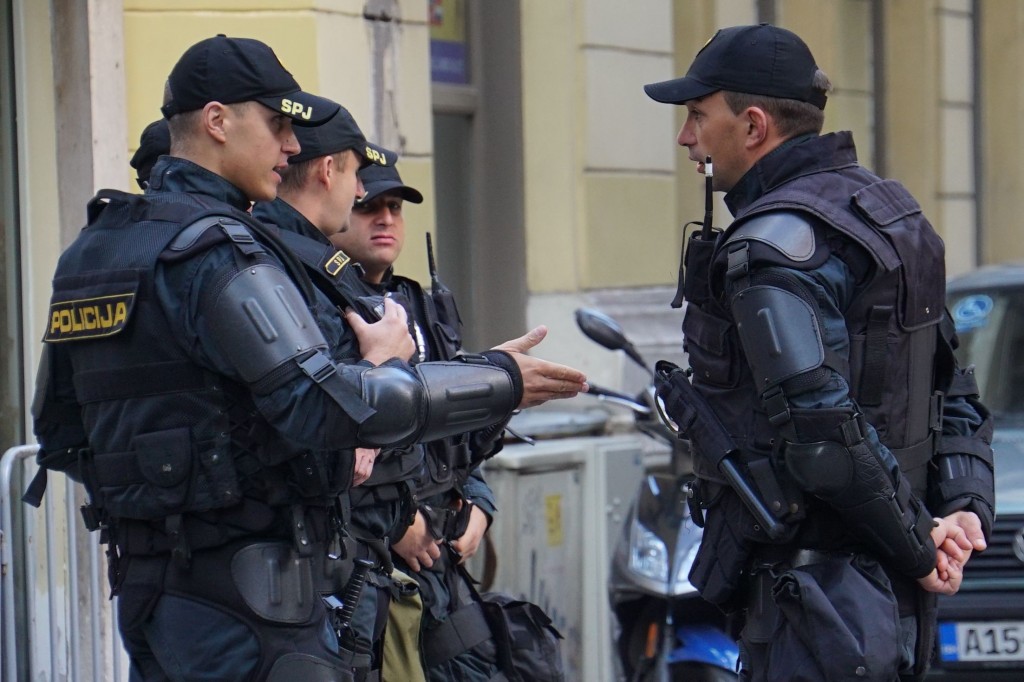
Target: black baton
{"x": 353, "y": 591}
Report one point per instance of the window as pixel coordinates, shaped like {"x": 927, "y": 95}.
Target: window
{"x": 478, "y": 149}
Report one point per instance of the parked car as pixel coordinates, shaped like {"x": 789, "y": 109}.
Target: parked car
{"x": 981, "y": 628}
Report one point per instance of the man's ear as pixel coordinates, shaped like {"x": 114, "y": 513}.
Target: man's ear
{"x": 758, "y": 126}
{"x": 214, "y": 120}
{"x": 326, "y": 171}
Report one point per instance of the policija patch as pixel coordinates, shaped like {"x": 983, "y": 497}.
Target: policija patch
{"x": 89, "y": 318}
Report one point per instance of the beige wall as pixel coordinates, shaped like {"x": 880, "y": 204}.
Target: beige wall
{"x": 378, "y": 70}
{"x": 606, "y": 188}
{"x": 37, "y": 158}
{"x": 1002, "y": 60}
{"x": 598, "y": 153}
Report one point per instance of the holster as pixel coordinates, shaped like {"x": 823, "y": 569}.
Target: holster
{"x": 720, "y": 570}
{"x": 275, "y": 582}
{"x": 695, "y": 419}
{"x": 696, "y": 282}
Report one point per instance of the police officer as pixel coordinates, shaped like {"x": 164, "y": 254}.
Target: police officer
{"x": 310, "y": 210}
{"x": 816, "y": 331}
{"x": 154, "y": 142}
{"x": 455, "y": 505}
{"x": 315, "y": 199}
{"x": 188, "y": 382}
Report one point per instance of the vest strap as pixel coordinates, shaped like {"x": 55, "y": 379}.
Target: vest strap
{"x": 738, "y": 261}
{"x": 876, "y": 356}
{"x": 241, "y": 238}
{"x": 916, "y": 455}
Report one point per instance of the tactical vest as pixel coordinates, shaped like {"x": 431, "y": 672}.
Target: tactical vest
{"x": 893, "y": 323}
{"x": 166, "y": 436}
{"x": 332, "y": 272}
{"x": 449, "y": 461}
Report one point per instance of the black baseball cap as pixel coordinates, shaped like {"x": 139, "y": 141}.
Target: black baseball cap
{"x": 337, "y": 134}
{"x": 380, "y": 179}
{"x": 757, "y": 60}
{"x": 154, "y": 142}
{"x": 231, "y": 70}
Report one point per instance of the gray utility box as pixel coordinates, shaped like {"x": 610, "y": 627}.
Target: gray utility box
{"x": 561, "y": 504}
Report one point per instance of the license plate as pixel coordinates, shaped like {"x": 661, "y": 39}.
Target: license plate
{"x": 981, "y": 641}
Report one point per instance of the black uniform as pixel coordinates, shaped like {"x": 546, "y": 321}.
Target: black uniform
{"x": 190, "y": 385}
{"x": 817, "y": 333}
{"x": 381, "y": 507}
{"x": 455, "y": 647}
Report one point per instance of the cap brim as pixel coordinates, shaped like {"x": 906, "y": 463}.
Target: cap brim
{"x": 303, "y": 108}
{"x": 679, "y": 90}
{"x": 375, "y": 155}
{"x": 375, "y": 189}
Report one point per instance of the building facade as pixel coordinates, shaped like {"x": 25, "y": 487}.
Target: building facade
{"x": 551, "y": 181}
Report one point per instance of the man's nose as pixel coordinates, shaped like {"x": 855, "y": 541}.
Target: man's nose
{"x": 290, "y": 145}
{"x": 385, "y": 216}
{"x": 685, "y": 138}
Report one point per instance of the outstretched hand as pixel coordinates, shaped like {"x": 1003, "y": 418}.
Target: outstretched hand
{"x": 542, "y": 380}
{"x": 386, "y": 338}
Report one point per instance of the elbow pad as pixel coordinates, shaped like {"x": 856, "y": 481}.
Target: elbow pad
{"x": 853, "y": 481}
{"x": 434, "y": 400}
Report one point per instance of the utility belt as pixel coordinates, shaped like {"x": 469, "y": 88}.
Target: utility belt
{"x": 268, "y": 578}
{"x": 313, "y": 530}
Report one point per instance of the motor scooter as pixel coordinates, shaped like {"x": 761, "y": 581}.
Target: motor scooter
{"x": 667, "y": 632}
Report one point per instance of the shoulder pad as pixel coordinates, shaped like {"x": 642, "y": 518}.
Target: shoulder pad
{"x": 198, "y": 236}
{"x": 788, "y": 232}
{"x": 786, "y": 238}
{"x": 188, "y": 237}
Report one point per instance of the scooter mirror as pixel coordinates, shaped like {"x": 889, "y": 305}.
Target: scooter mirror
{"x": 604, "y": 331}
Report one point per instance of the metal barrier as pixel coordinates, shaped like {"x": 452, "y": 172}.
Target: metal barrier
{"x": 57, "y": 619}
